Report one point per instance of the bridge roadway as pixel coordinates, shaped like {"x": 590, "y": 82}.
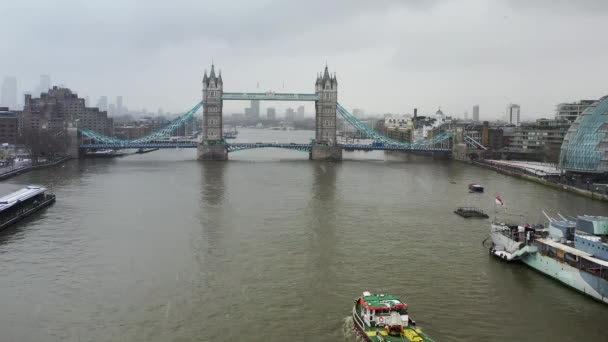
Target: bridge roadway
{"x": 234, "y": 147}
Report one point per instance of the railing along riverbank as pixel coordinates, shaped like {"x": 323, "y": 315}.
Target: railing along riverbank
{"x": 8, "y": 172}
{"x": 548, "y": 181}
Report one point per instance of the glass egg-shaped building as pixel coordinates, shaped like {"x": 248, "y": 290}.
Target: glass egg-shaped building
{"x": 585, "y": 146}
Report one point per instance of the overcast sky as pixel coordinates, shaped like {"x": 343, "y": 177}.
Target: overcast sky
{"x": 389, "y": 55}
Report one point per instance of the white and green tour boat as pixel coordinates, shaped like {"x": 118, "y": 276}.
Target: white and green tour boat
{"x": 385, "y": 318}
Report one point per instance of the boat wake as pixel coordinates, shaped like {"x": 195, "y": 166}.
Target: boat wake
{"x": 349, "y": 332}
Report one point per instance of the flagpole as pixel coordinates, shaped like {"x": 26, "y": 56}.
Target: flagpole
{"x": 494, "y": 209}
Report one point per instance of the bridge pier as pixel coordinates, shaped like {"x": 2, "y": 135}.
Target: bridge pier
{"x": 326, "y": 153}
{"x": 212, "y": 145}
{"x": 326, "y": 106}
{"x": 72, "y": 148}
{"x": 205, "y": 151}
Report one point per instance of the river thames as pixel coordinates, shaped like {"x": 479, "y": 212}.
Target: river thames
{"x": 270, "y": 246}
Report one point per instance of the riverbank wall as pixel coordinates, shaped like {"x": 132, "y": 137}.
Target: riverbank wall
{"x": 20, "y": 170}
{"x": 540, "y": 180}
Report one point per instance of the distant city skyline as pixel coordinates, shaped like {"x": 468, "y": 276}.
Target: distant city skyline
{"x": 117, "y": 108}
{"x": 104, "y": 103}
{"x": 425, "y": 54}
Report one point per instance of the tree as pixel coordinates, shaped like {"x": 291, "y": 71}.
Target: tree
{"x": 43, "y": 143}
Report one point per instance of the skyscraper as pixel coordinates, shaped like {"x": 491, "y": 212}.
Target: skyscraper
{"x": 255, "y": 108}
{"x": 290, "y": 114}
{"x": 271, "y": 113}
{"x": 119, "y": 109}
{"x": 45, "y": 83}
{"x": 476, "y": 113}
{"x": 253, "y": 112}
{"x": 300, "y": 113}
{"x": 513, "y": 114}
{"x": 9, "y": 92}
{"x": 466, "y": 115}
{"x": 358, "y": 113}
{"x": 102, "y": 104}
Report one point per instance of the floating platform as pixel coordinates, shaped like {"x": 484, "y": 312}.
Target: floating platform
{"x": 22, "y": 203}
{"x": 467, "y": 212}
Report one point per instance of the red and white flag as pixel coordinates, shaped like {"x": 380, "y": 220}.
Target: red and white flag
{"x": 499, "y": 200}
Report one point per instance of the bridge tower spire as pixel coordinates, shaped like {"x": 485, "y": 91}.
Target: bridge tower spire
{"x": 326, "y": 145}
{"x": 212, "y": 145}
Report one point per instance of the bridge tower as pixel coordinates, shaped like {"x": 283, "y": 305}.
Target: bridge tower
{"x": 326, "y": 145}
{"x": 212, "y": 145}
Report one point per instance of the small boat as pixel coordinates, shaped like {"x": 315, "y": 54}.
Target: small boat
{"x": 382, "y": 317}
{"x": 109, "y": 153}
{"x": 475, "y": 188}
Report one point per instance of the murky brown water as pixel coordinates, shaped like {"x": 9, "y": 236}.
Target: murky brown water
{"x": 272, "y": 247}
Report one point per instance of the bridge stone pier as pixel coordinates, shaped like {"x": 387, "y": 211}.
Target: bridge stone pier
{"x": 326, "y": 145}
{"x": 212, "y": 145}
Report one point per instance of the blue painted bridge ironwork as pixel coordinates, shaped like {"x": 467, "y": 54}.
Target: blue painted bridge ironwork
{"x": 270, "y": 96}
{"x": 95, "y": 141}
{"x": 235, "y": 147}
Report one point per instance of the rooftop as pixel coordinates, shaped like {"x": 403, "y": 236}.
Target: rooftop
{"x": 381, "y": 301}
{"x": 20, "y": 195}
{"x": 542, "y": 169}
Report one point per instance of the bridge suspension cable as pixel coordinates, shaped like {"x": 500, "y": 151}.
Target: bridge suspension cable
{"x": 152, "y": 137}
{"x": 378, "y": 137}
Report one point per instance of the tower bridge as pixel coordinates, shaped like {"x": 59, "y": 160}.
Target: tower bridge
{"x": 213, "y": 146}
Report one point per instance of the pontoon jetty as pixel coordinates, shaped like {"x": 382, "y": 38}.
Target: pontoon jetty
{"x": 22, "y": 203}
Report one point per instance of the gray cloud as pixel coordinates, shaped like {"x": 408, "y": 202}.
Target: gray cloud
{"x": 390, "y": 55}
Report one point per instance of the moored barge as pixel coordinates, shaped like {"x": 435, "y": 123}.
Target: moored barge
{"x": 467, "y": 212}
{"x": 573, "y": 251}
{"x": 22, "y": 203}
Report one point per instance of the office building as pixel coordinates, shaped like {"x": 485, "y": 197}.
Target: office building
{"x": 543, "y": 138}
{"x": 8, "y": 126}
{"x": 253, "y": 111}
{"x": 271, "y": 113}
{"x": 102, "y": 103}
{"x": 476, "y": 113}
{"x": 58, "y": 108}
{"x": 584, "y": 148}
{"x": 300, "y": 113}
{"x": 571, "y": 111}
{"x": 399, "y": 128}
{"x": 513, "y": 114}
{"x": 8, "y": 96}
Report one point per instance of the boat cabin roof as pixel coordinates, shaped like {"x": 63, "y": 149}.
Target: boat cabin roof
{"x": 20, "y": 195}
{"x": 377, "y": 302}
{"x": 573, "y": 251}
